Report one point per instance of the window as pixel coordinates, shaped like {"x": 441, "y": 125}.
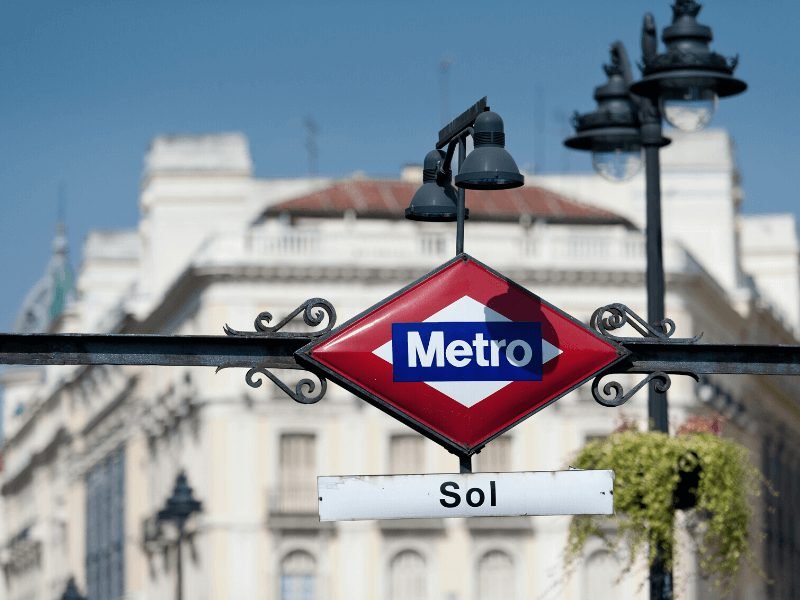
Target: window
{"x": 601, "y": 572}
{"x": 495, "y": 456}
{"x": 495, "y": 576}
{"x": 406, "y": 454}
{"x": 298, "y": 473}
{"x": 297, "y": 576}
{"x": 105, "y": 528}
{"x": 407, "y": 577}
{"x": 433, "y": 244}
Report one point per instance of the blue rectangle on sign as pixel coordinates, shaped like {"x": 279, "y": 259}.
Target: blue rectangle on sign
{"x": 459, "y": 351}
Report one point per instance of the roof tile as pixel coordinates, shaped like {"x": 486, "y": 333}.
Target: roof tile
{"x": 376, "y": 198}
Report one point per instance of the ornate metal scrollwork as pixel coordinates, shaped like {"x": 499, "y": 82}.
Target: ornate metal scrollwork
{"x": 315, "y": 312}
{"x": 615, "y": 316}
{"x": 303, "y": 390}
{"x": 612, "y": 394}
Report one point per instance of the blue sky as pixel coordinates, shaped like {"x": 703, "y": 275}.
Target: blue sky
{"x": 85, "y": 85}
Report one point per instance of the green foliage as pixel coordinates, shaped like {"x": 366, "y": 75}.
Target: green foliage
{"x": 648, "y": 469}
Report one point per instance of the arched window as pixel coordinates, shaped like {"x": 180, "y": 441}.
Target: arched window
{"x": 601, "y": 574}
{"x": 496, "y": 576}
{"x": 407, "y": 575}
{"x": 298, "y": 580}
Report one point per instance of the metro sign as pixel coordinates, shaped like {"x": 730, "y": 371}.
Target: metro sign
{"x": 461, "y": 355}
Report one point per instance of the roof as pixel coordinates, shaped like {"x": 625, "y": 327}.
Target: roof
{"x": 388, "y": 199}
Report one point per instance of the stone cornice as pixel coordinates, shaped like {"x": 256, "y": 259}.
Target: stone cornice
{"x": 19, "y": 479}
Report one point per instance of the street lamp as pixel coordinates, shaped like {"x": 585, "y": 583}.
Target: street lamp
{"x": 488, "y": 167}
{"x": 682, "y": 84}
{"x": 179, "y": 507}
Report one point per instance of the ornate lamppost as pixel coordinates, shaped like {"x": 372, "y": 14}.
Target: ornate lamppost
{"x": 179, "y": 507}
{"x": 681, "y": 85}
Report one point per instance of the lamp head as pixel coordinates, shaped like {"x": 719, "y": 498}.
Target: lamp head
{"x": 688, "y": 77}
{"x": 612, "y": 133}
{"x": 433, "y": 201}
{"x": 182, "y": 504}
{"x": 71, "y": 592}
{"x": 489, "y": 166}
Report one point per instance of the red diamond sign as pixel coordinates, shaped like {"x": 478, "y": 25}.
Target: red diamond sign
{"x": 461, "y": 355}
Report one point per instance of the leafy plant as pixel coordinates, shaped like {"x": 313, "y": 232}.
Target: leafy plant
{"x": 652, "y": 472}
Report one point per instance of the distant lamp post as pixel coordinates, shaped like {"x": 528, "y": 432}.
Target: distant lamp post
{"x": 683, "y": 85}
{"x": 180, "y": 506}
{"x": 71, "y": 592}
{"x": 613, "y": 132}
{"x": 488, "y": 167}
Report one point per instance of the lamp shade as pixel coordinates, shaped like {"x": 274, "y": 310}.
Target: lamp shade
{"x": 433, "y": 201}
{"x": 489, "y": 166}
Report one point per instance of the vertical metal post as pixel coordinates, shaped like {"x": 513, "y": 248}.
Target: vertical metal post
{"x": 657, "y": 408}
{"x": 179, "y": 565}
{"x": 464, "y": 464}
{"x": 461, "y": 197}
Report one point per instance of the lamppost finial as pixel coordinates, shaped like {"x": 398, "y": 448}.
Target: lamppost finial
{"x": 71, "y": 592}
{"x": 683, "y": 8}
{"x": 649, "y": 38}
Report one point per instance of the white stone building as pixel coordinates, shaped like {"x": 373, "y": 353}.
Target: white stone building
{"x": 91, "y": 453}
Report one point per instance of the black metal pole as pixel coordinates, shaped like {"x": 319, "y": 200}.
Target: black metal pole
{"x": 657, "y": 410}
{"x": 464, "y": 464}
{"x": 179, "y": 565}
{"x": 461, "y": 206}
{"x": 273, "y": 351}
{"x": 657, "y": 406}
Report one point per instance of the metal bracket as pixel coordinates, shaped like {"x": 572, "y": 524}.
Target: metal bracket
{"x": 616, "y": 316}
{"x": 315, "y": 311}
{"x": 301, "y": 387}
{"x": 466, "y": 119}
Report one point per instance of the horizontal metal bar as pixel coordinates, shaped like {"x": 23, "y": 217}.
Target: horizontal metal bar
{"x": 648, "y": 357}
{"x": 277, "y": 351}
{"x": 454, "y": 128}
{"x": 129, "y": 349}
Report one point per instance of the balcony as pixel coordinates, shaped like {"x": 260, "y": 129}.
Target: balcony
{"x": 558, "y": 248}
{"x": 294, "y": 507}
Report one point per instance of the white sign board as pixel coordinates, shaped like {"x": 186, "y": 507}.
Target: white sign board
{"x": 573, "y": 492}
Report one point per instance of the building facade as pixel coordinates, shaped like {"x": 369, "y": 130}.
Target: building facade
{"x": 91, "y": 453}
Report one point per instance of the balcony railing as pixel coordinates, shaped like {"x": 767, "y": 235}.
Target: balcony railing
{"x": 568, "y": 248}
{"x": 295, "y": 499}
